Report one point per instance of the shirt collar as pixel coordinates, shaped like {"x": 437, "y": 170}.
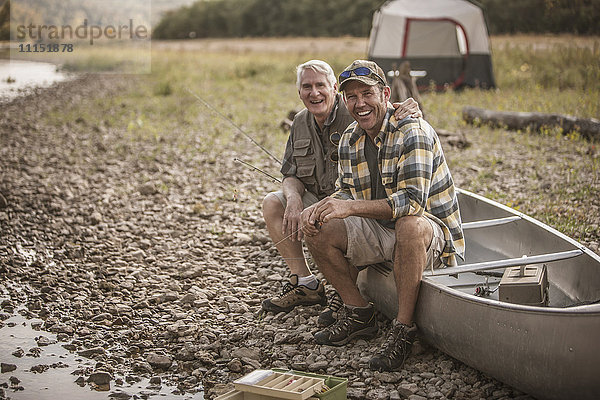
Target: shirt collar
{"x": 334, "y": 111}
{"x": 389, "y": 123}
{"x": 331, "y": 116}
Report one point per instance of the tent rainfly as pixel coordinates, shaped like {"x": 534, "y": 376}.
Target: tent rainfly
{"x": 445, "y": 39}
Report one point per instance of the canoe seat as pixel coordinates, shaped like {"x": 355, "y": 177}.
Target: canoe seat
{"x": 508, "y": 262}
{"x": 490, "y": 222}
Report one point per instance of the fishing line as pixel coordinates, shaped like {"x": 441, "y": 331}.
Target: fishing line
{"x": 257, "y": 169}
{"x": 235, "y": 125}
{"x": 317, "y": 225}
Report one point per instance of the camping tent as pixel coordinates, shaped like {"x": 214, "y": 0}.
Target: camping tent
{"x": 447, "y": 39}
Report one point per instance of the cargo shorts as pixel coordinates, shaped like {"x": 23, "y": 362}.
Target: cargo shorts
{"x": 369, "y": 242}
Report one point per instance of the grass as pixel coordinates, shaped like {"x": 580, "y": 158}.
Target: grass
{"x": 549, "y": 176}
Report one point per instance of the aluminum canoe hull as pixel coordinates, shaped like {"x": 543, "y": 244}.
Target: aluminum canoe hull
{"x": 549, "y": 352}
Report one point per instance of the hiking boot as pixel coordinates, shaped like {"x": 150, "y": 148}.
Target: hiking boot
{"x": 329, "y": 314}
{"x": 295, "y": 295}
{"x": 396, "y": 348}
{"x": 352, "y": 322}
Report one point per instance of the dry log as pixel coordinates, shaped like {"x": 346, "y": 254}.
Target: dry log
{"x": 587, "y": 127}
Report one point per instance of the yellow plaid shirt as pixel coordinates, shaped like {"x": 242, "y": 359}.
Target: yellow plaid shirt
{"x": 413, "y": 171}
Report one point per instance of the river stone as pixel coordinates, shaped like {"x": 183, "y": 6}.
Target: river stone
{"x": 155, "y": 380}
{"x": 235, "y": 365}
{"x": 147, "y": 189}
{"x": 395, "y": 395}
{"x": 158, "y": 361}
{"x": 44, "y": 341}
{"x": 408, "y": 389}
{"x": 119, "y": 396}
{"x": 18, "y": 353}
{"x": 245, "y": 352}
{"x": 89, "y": 353}
{"x": 100, "y": 378}
{"x": 5, "y": 367}
{"x": 377, "y": 394}
{"x": 319, "y": 365}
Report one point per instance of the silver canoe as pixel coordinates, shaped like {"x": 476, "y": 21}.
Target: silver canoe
{"x": 550, "y": 352}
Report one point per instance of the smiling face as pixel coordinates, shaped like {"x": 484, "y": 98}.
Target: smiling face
{"x": 367, "y": 105}
{"x": 317, "y": 94}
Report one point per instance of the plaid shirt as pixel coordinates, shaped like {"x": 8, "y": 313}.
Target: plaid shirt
{"x": 414, "y": 173}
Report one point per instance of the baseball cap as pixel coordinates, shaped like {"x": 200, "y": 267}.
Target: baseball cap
{"x": 367, "y": 72}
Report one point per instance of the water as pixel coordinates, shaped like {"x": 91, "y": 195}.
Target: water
{"x": 58, "y": 381}
{"x": 19, "y": 77}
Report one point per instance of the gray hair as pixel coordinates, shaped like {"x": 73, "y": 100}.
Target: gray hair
{"x": 318, "y": 66}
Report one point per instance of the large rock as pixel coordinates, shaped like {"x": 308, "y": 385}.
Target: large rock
{"x": 158, "y": 361}
{"x": 100, "y": 378}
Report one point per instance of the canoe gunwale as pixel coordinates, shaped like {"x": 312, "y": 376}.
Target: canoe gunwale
{"x": 581, "y": 309}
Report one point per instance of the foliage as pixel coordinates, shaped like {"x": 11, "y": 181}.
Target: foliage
{"x": 543, "y": 16}
{"x": 5, "y": 21}
{"x": 539, "y": 174}
{"x": 241, "y": 18}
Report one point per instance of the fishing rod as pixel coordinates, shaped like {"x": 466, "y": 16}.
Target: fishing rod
{"x": 257, "y": 169}
{"x": 234, "y": 124}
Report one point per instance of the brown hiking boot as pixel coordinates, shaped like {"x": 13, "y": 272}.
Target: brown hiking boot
{"x": 396, "y": 349}
{"x": 295, "y": 295}
{"x": 352, "y": 322}
{"x": 329, "y": 314}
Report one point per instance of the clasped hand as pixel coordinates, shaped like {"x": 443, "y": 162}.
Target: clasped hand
{"x": 323, "y": 211}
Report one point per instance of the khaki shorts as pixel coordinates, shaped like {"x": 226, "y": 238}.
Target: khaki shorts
{"x": 370, "y": 243}
{"x": 308, "y": 199}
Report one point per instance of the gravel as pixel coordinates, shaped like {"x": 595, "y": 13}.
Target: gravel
{"x": 143, "y": 257}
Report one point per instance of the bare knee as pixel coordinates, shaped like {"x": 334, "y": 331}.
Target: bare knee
{"x": 413, "y": 229}
{"x": 272, "y": 207}
{"x": 331, "y": 235}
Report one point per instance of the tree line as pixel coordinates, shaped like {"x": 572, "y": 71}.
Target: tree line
{"x": 247, "y": 18}
{"x": 240, "y": 18}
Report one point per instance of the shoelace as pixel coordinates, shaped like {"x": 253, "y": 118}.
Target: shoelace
{"x": 287, "y": 288}
{"x": 391, "y": 345}
{"x": 335, "y": 303}
{"x": 342, "y": 322}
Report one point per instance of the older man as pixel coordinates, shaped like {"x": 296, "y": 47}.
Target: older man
{"x": 310, "y": 170}
{"x": 395, "y": 201}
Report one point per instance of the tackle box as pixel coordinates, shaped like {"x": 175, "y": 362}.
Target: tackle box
{"x": 527, "y": 285}
{"x": 287, "y": 384}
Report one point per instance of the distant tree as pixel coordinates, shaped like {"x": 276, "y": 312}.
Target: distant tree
{"x": 543, "y": 16}
{"x": 5, "y": 21}
{"x": 239, "y": 18}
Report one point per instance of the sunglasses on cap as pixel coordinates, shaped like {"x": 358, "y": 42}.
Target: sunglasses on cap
{"x": 360, "y": 71}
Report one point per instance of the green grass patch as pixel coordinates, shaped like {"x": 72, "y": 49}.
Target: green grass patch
{"x": 535, "y": 173}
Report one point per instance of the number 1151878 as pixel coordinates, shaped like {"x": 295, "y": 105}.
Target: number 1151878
{"x": 48, "y": 48}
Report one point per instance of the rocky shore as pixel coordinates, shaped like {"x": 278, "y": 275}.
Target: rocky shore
{"x": 153, "y": 261}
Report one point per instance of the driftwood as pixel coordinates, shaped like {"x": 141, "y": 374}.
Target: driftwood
{"x": 587, "y": 127}
{"x": 454, "y": 139}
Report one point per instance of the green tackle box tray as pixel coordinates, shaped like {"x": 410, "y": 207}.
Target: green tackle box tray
{"x": 337, "y": 386}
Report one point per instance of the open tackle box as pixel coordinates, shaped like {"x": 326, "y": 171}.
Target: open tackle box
{"x": 286, "y": 384}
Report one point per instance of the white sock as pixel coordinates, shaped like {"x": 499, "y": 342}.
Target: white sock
{"x": 309, "y": 281}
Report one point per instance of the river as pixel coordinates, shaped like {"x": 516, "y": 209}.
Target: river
{"x": 19, "y": 77}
